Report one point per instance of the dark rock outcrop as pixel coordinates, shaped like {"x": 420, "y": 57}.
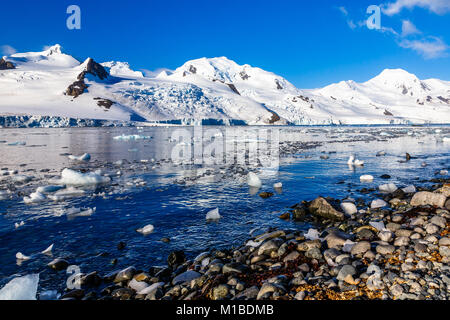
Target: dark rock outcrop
{"x": 6, "y": 65}
{"x": 387, "y": 113}
{"x": 78, "y": 87}
{"x": 233, "y": 88}
{"x": 106, "y": 103}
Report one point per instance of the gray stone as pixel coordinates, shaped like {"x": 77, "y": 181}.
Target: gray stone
{"x": 360, "y": 248}
{"x": 428, "y": 198}
{"x": 313, "y": 253}
{"x": 401, "y": 241}
{"x": 385, "y": 249}
{"x": 439, "y": 221}
{"x": 187, "y": 276}
{"x": 345, "y": 271}
{"x": 125, "y": 274}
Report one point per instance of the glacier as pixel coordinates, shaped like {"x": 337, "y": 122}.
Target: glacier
{"x": 53, "y": 89}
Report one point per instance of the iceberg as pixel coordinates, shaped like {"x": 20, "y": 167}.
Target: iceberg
{"x": 146, "y": 230}
{"x": 21, "y": 288}
{"x": 74, "y": 178}
{"x": 35, "y": 197}
{"x": 253, "y": 180}
{"x": 213, "y": 215}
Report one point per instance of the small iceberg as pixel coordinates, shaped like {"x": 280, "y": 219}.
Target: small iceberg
{"x": 74, "y": 178}
{"x": 146, "y": 230}
{"x": 278, "y": 185}
{"x": 49, "y": 189}
{"x": 253, "y": 180}
{"x": 48, "y": 251}
{"x": 20, "y": 256}
{"x": 85, "y": 157}
{"x": 132, "y": 137}
{"x": 78, "y": 212}
{"x": 355, "y": 162}
{"x": 35, "y": 197}
{"x": 366, "y": 178}
{"x": 21, "y": 288}
{"x": 67, "y": 194}
{"x": 213, "y": 215}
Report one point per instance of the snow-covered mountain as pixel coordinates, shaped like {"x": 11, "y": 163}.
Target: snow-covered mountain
{"x": 51, "y": 83}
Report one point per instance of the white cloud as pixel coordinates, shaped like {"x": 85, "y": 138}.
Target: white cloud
{"x": 429, "y": 48}
{"x": 7, "y": 50}
{"x": 408, "y": 28}
{"x": 435, "y": 6}
{"x": 343, "y": 10}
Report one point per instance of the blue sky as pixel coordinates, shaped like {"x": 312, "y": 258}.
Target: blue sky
{"x": 311, "y": 43}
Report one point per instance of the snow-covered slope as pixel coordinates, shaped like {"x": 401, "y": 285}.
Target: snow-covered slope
{"x": 51, "y": 83}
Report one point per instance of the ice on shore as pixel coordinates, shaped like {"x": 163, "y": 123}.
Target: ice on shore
{"x": 409, "y": 189}
{"x": 132, "y": 137}
{"x": 349, "y": 208}
{"x": 35, "y": 197}
{"x": 85, "y": 157}
{"x": 21, "y": 178}
{"x": 312, "y": 234}
{"x": 213, "y": 215}
{"x": 21, "y": 288}
{"x": 74, "y": 178}
{"x": 253, "y": 180}
{"x": 146, "y": 230}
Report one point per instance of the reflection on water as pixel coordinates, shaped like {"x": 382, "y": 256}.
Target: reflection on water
{"x": 176, "y": 198}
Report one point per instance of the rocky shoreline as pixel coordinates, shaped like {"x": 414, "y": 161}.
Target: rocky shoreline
{"x": 396, "y": 247}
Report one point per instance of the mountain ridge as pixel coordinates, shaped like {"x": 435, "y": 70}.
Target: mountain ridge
{"x": 211, "y": 88}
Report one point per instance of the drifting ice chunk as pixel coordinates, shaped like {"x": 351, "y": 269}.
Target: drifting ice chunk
{"x": 48, "y": 250}
{"x": 77, "y": 212}
{"x": 146, "y": 230}
{"x": 22, "y": 288}
{"x": 213, "y": 215}
{"x": 67, "y": 194}
{"x": 253, "y": 180}
{"x": 22, "y": 257}
{"x": 366, "y": 178}
{"x": 17, "y": 225}
{"x": 131, "y": 137}
{"x": 74, "y": 178}
{"x": 35, "y": 197}
{"x": 49, "y": 189}
{"x": 278, "y": 185}
{"x": 84, "y": 157}
{"x": 388, "y": 188}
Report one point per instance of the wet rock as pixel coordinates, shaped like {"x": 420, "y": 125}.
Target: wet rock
{"x": 360, "y": 248}
{"x": 125, "y": 274}
{"x": 401, "y": 241}
{"x": 266, "y": 195}
{"x": 345, "y": 271}
{"x": 58, "y": 264}
{"x": 267, "y": 247}
{"x": 6, "y": 65}
{"x": 220, "y": 292}
{"x": 385, "y": 249}
{"x": 175, "y": 258}
{"x": 187, "y": 276}
{"x": 428, "y": 198}
{"x": 249, "y": 293}
{"x": 299, "y": 213}
{"x": 314, "y": 253}
{"x": 321, "y": 208}
{"x": 77, "y": 294}
{"x": 231, "y": 268}
{"x": 123, "y": 293}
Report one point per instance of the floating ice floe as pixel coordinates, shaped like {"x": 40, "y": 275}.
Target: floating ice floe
{"x": 146, "y": 230}
{"x": 22, "y": 257}
{"x": 388, "y": 188}
{"x": 48, "y": 251}
{"x": 278, "y": 185}
{"x": 349, "y": 208}
{"x": 355, "y": 162}
{"x": 213, "y": 215}
{"x": 366, "y": 178}
{"x": 74, "y": 178}
{"x": 67, "y": 194}
{"x": 17, "y": 225}
{"x": 253, "y": 180}
{"x": 85, "y": 157}
{"x": 49, "y": 189}
{"x": 378, "y": 203}
{"x": 21, "y": 288}
{"x": 132, "y": 137}
{"x": 35, "y": 197}
{"x": 4, "y": 195}
{"x": 381, "y": 153}
{"x": 78, "y": 212}
{"x": 443, "y": 172}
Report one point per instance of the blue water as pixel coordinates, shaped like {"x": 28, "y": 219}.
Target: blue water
{"x": 178, "y": 211}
